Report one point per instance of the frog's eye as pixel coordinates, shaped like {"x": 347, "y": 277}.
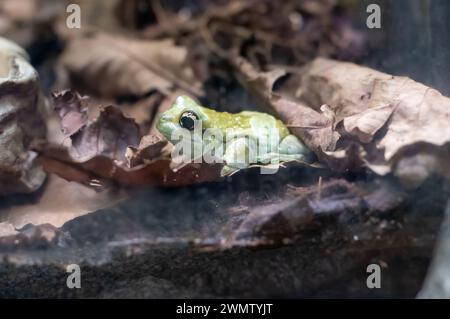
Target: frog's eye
{"x": 187, "y": 120}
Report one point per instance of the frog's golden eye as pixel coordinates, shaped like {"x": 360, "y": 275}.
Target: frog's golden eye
{"x": 187, "y": 120}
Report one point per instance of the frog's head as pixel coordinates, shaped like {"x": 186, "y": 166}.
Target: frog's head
{"x": 184, "y": 113}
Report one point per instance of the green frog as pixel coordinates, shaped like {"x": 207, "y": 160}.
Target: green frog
{"x": 239, "y": 140}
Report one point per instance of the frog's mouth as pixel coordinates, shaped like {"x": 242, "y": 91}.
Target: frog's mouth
{"x": 167, "y": 128}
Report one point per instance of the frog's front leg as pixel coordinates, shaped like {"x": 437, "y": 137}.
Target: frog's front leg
{"x": 291, "y": 145}
{"x": 239, "y": 154}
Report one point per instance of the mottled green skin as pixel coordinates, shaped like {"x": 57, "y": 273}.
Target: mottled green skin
{"x": 243, "y": 126}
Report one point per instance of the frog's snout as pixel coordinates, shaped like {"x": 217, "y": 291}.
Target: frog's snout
{"x": 165, "y": 117}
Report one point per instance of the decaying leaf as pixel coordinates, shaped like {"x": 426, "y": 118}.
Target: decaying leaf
{"x": 6, "y": 229}
{"x": 37, "y": 236}
{"x": 116, "y": 66}
{"x": 111, "y": 146}
{"x": 109, "y": 135}
{"x": 21, "y": 121}
{"x": 352, "y": 116}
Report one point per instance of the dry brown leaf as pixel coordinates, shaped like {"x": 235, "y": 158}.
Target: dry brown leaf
{"x": 301, "y": 208}
{"x": 157, "y": 173}
{"x": 26, "y": 21}
{"x": 150, "y": 148}
{"x": 109, "y": 134}
{"x": 352, "y": 116}
{"x": 111, "y": 147}
{"x": 72, "y": 111}
{"x": 116, "y": 66}
{"x": 60, "y": 202}
{"x": 314, "y": 127}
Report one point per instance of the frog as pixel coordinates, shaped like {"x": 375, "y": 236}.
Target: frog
{"x": 245, "y": 132}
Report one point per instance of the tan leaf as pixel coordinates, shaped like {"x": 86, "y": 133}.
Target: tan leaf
{"x": 116, "y": 66}
{"x": 157, "y": 172}
{"x": 366, "y": 100}
{"x": 72, "y": 111}
{"x": 109, "y": 135}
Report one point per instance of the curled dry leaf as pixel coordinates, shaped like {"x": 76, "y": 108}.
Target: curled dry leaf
{"x": 21, "y": 121}
{"x": 36, "y": 236}
{"x": 72, "y": 111}
{"x": 302, "y": 208}
{"x": 150, "y": 147}
{"x": 115, "y": 66}
{"x": 26, "y": 21}
{"x": 352, "y": 116}
{"x": 111, "y": 147}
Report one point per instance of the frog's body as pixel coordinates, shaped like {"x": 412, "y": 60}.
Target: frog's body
{"x": 243, "y": 134}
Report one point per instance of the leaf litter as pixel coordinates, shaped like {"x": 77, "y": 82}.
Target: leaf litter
{"x": 353, "y": 118}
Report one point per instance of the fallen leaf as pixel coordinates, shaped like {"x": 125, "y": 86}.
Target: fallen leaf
{"x": 150, "y": 148}
{"x": 111, "y": 147}
{"x": 34, "y": 236}
{"x": 72, "y": 111}
{"x": 388, "y": 116}
{"x": 158, "y": 172}
{"x": 314, "y": 127}
{"x": 116, "y": 66}
{"x": 60, "y": 202}
{"x": 108, "y": 135}
{"x": 144, "y": 111}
